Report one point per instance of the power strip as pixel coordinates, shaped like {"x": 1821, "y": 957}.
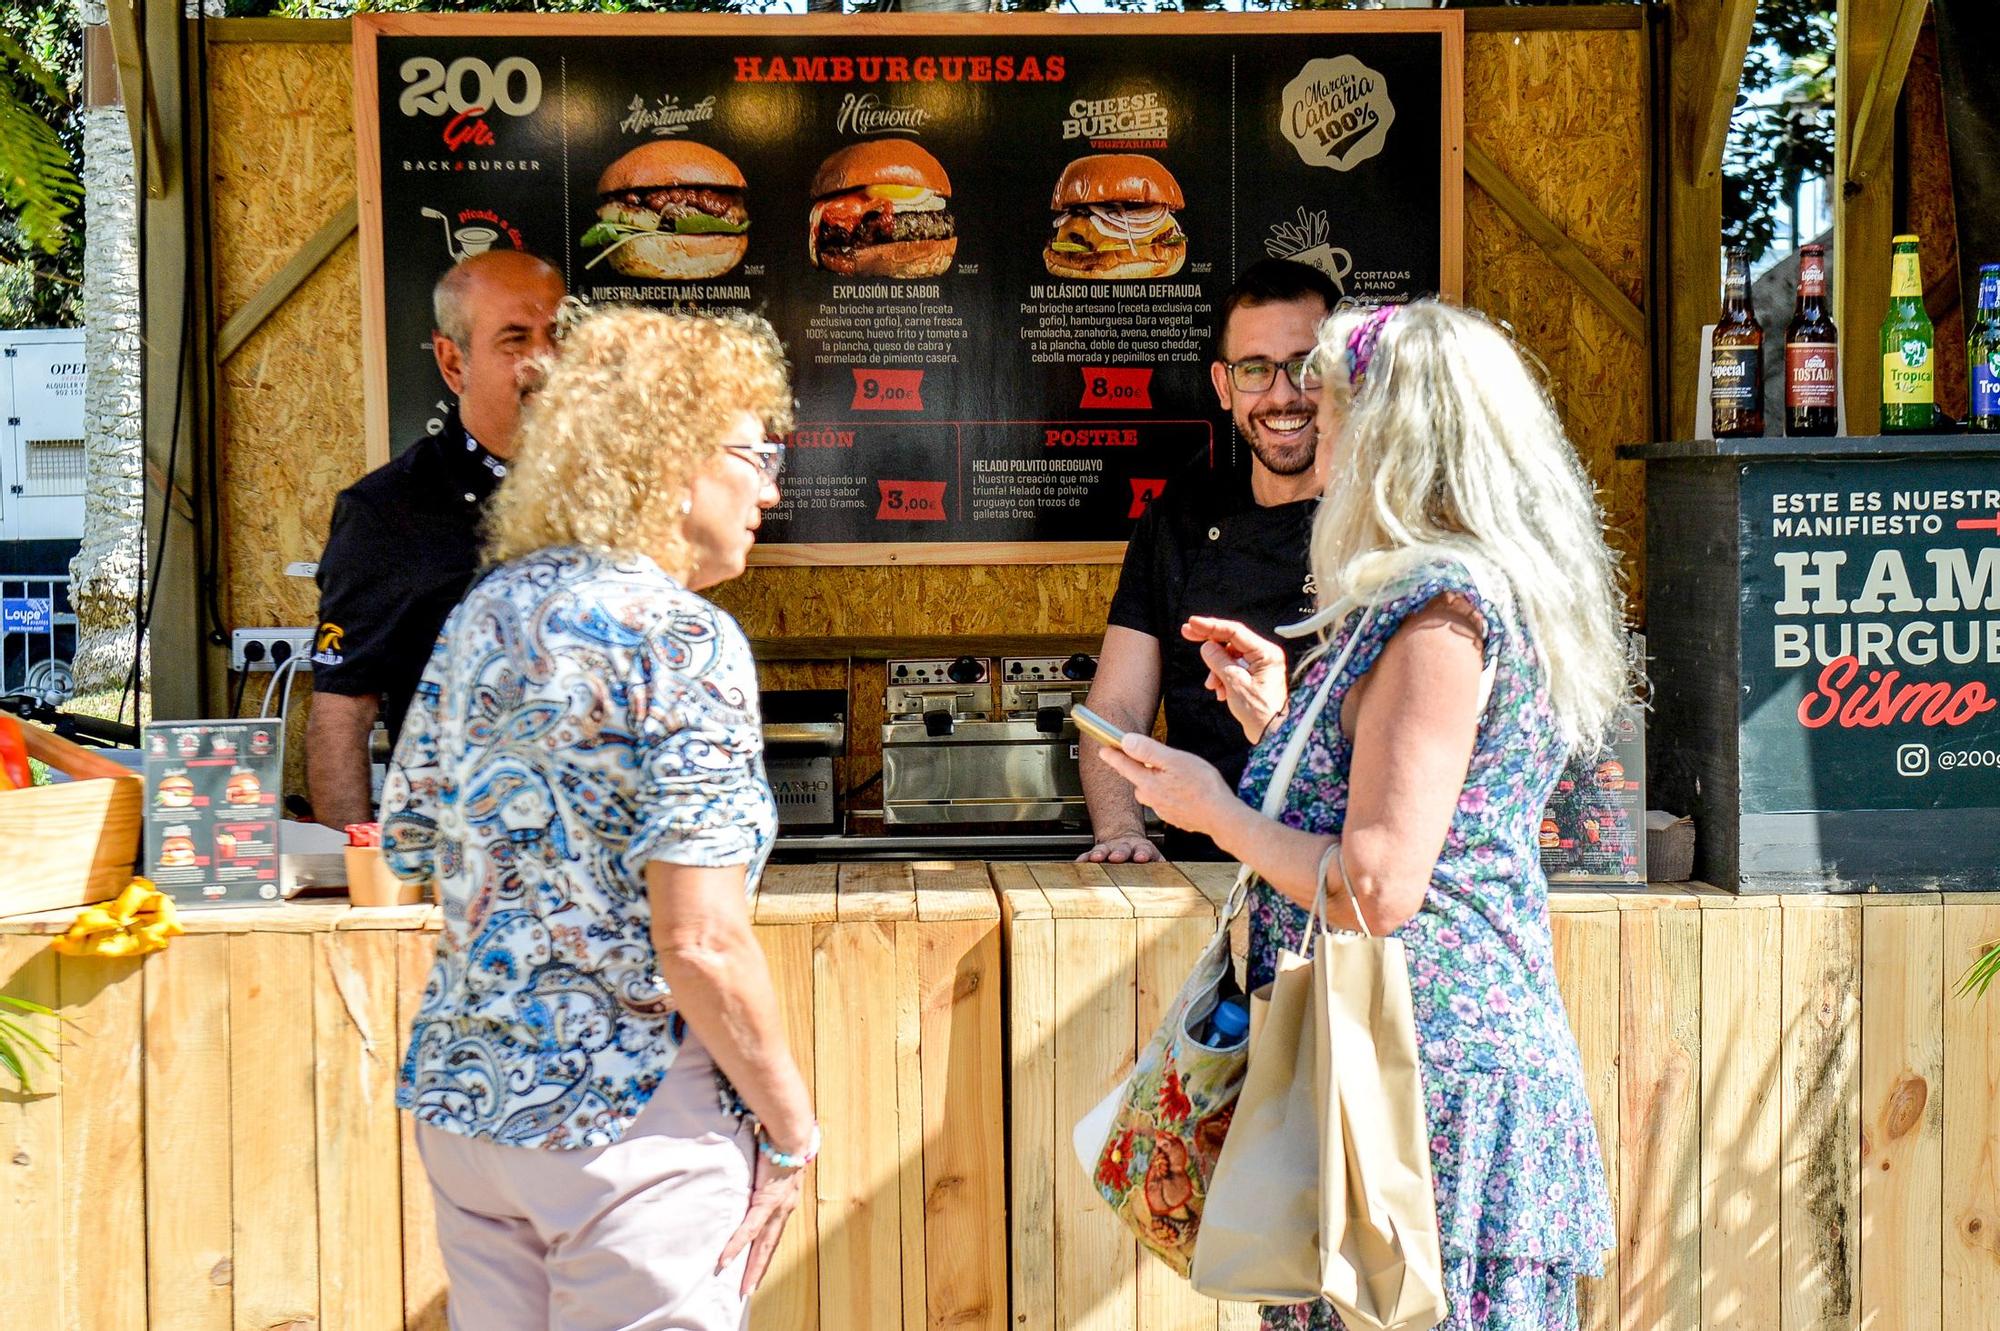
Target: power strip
{"x": 267, "y": 649}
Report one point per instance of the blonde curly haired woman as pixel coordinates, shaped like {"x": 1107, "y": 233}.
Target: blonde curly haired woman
{"x": 1460, "y": 549}
{"x": 610, "y": 1118}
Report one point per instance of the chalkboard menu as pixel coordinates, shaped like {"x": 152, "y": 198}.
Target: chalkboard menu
{"x": 994, "y": 246}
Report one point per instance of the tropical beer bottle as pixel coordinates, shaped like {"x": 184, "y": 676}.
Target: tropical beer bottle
{"x": 1909, "y": 347}
{"x": 1982, "y": 355}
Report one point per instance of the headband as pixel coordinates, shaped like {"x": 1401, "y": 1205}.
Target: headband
{"x": 1361, "y": 342}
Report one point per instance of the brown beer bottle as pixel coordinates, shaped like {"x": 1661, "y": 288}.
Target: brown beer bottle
{"x": 1812, "y": 354}
{"x": 1736, "y": 367}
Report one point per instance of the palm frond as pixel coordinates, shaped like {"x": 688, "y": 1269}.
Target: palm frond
{"x": 1981, "y": 973}
{"x": 16, "y": 1040}
{"x": 37, "y": 180}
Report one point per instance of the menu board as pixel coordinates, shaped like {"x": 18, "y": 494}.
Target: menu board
{"x": 212, "y": 809}
{"x": 1594, "y": 826}
{"x": 994, "y": 246}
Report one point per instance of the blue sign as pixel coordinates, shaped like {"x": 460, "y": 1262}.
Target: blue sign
{"x": 27, "y": 614}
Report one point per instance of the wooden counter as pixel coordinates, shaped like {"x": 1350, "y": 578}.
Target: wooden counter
{"x": 1798, "y": 1114}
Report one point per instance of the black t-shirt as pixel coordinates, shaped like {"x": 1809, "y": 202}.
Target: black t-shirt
{"x": 403, "y": 547}
{"x": 1206, "y": 547}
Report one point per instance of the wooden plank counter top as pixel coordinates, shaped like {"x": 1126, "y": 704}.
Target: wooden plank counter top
{"x": 1796, "y": 1109}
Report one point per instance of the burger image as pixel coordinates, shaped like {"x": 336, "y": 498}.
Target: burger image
{"x": 242, "y": 789}
{"x": 1611, "y": 774}
{"x": 175, "y": 792}
{"x": 1551, "y": 837}
{"x": 882, "y": 209}
{"x": 176, "y": 851}
{"x": 1114, "y": 220}
{"x": 670, "y": 209}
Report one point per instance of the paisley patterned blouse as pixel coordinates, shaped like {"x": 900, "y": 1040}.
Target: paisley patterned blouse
{"x": 580, "y": 716}
{"x": 1513, "y": 1146}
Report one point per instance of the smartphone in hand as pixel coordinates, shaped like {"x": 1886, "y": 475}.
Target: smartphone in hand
{"x": 1095, "y": 726}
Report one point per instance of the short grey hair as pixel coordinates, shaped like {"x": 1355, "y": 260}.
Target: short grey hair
{"x": 452, "y": 294}
{"x": 448, "y": 312}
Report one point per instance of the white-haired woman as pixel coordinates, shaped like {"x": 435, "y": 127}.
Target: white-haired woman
{"x": 612, "y": 1123}
{"x": 1461, "y": 547}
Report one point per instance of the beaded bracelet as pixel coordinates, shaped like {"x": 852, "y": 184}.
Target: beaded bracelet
{"x": 785, "y": 1161}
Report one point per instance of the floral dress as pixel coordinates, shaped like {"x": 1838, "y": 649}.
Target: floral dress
{"x": 1521, "y": 1202}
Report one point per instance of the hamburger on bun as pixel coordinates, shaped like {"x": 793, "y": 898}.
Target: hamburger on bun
{"x": 243, "y": 788}
{"x": 1611, "y": 774}
{"x": 673, "y": 210}
{"x": 882, "y": 209}
{"x": 176, "y": 851}
{"x": 1551, "y": 835}
{"x": 175, "y": 792}
{"x": 1114, "y": 220}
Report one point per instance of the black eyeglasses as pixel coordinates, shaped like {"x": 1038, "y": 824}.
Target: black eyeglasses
{"x": 767, "y": 457}
{"x": 1257, "y": 375}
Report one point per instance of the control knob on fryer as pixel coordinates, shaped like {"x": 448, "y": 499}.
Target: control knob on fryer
{"x": 1080, "y": 666}
{"x": 965, "y": 670}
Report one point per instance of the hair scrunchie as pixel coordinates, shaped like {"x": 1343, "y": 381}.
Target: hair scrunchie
{"x": 1361, "y": 342}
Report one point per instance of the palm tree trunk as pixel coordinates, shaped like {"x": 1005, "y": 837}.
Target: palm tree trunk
{"x": 105, "y": 573}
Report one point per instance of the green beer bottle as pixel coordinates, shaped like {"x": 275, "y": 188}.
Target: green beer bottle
{"x": 1982, "y": 355}
{"x": 1909, "y": 355}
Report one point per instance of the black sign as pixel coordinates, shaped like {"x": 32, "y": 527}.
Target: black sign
{"x": 1871, "y": 635}
{"x": 212, "y": 810}
{"x": 994, "y": 248}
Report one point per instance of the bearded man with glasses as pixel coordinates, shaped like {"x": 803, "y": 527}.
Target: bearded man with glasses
{"x": 1227, "y": 540}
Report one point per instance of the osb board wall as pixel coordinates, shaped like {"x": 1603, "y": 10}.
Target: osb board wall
{"x": 1564, "y": 115}
{"x": 1562, "y": 112}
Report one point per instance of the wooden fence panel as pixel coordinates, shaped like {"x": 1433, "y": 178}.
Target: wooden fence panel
{"x": 1971, "y": 1123}
{"x": 31, "y": 1129}
{"x": 360, "y": 1162}
{"x": 274, "y": 1186}
{"x": 1659, "y": 1115}
{"x": 1820, "y": 1114}
{"x": 190, "y": 1135}
{"x": 1587, "y": 969}
{"x": 104, "y": 1163}
{"x": 1742, "y": 1022}
{"x": 1902, "y": 1123}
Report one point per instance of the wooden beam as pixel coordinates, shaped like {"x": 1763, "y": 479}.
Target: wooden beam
{"x": 1557, "y": 18}
{"x": 277, "y": 31}
{"x": 286, "y": 280}
{"x": 1542, "y": 229}
{"x": 890, "y": 647}
{"x": 1875, "y": 114}
{"x": 1864, "y": 216}
{"x": 148, "y": 145}
{"x": 1725, "y": 76}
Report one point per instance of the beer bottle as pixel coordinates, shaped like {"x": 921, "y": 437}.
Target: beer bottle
{"x": 1736, "y": 363}
{"x": 1812, "y": 354}
{"x": 1909, "y": 359}
{"x": 1982, "y": 354}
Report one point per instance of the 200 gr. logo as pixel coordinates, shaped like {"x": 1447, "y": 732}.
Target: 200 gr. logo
{"x": 432, "y": 88}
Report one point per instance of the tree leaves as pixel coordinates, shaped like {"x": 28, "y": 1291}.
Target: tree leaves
{"x": 37, "y": 180}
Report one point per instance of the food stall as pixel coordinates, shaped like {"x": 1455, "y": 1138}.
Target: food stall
{"x": 1794, "y": 1106}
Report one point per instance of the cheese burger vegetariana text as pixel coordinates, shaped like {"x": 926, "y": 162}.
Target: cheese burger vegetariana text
{"x": 1114, "y": 220}
{"x": 882, "y": 209}
{"x": 671, "y": 209}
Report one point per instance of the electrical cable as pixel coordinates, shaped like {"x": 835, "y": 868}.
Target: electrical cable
{"x": 210, "y": 572}
{"x": 286, "y": 669}
{"x": 236, "y": 698}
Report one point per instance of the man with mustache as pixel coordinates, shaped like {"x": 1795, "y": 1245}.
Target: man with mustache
{"x": 1228, "y": 542}
{"x": 404, "y": 542}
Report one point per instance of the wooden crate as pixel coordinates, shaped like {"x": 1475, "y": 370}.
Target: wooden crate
{"x": 68, "y": 844}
